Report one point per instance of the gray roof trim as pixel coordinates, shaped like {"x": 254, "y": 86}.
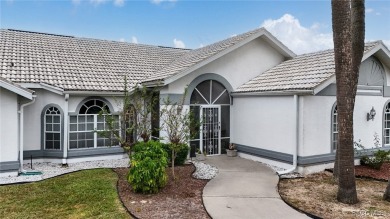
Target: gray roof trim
{"x": 95, "y": 93}
{"x": 17, "y": 89}
{"x": 45, "y": 86}
{"x": 273, "y": 93}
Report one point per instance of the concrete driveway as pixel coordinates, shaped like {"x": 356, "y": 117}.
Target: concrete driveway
{"x": 244, "y": 189}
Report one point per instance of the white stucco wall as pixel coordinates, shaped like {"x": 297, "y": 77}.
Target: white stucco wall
{"x": 265, "y": 122}
{"x": 315, "y": 137}
{"x": 237, "y": 67}
{"x": 8, "y": 126}
{"x": 32, "y": 117}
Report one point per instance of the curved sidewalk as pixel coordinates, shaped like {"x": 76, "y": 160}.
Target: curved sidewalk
{"x": 244, "y": 189}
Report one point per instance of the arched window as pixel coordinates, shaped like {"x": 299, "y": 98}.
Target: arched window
{"x": 210, "y": 103}
{"x": 90, "y": 120}
{"x": 52, "y": 128}
{"x": 386, "y": 125}
{"x": 335, "y": 128}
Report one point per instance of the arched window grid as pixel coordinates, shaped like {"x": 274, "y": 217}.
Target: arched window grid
{"x": 52, "y": 129}
{"x": 211, "y": 95}
{"x": 84, "y": 127}
{"x": 335, "y": 128}
{"x": 386, "y": 125}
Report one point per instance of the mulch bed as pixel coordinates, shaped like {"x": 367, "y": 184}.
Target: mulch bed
{"x": 180, "y": 198}
{"x": 382, "y": 174}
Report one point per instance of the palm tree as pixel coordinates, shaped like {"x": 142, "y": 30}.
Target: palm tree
{"x": 348, "y": 36}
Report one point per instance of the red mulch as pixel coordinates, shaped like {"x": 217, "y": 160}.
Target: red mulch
{"x": 382, "y": 174}
{"x": 180, "y": 198}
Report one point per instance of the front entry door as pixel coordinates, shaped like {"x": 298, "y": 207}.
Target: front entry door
{"x": 210, "y": 134}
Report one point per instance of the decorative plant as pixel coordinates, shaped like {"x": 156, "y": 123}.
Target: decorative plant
{"x": 135, "y": 117}
{"x": 148, "y": 162}
{"x": 232, "y": 146}
{"x": 378, "y": 158}
{"x": 178, "y": 124}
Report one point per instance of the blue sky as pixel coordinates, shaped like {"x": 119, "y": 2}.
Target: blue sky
{"x": 304, "y": 26}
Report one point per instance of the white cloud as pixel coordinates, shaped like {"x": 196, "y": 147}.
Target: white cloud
{"x": 134, "y": 39}
{"x": 369, "y": 10}
{"x": 201, "y": 45}
{"x": 97, "y": 2}
{"x": 179, "y": 44}
{"x": 296, "y": 37}
{"x": 157, "y": 2}
{"x": 122, "y": 40}
{"x": 119, "y": 3}
{"x": 76, "y": 2}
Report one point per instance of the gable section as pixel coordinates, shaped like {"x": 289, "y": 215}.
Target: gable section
{"x": 237, "y": 66}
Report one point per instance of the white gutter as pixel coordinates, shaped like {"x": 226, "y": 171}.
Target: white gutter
{"x": 21, "y": 131}
{"x": 296, "y": 124}
{"x": 66, "y": 129}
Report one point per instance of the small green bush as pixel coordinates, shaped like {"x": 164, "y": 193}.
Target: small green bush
{"x": 147, "y": 172}
{"x": 380, "y": 156}
{"x": 181, "y": 154}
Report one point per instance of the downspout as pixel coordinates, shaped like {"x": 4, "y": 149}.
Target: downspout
{"x": 65, "y": 145}
{"x": 296, "y": 125}
{"x": 21, "y": 131}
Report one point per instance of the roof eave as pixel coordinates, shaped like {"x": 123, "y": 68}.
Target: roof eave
{"x": 274, "y": 93}
{"x": 17, "y": 90}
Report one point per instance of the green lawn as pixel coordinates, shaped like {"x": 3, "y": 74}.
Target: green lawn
{"x": 84, "y": 194}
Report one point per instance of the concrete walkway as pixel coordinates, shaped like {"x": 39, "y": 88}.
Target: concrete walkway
{"x": 244, "y": 189}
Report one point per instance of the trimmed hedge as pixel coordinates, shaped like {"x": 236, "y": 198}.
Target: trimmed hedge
{"x": 181, "y": 154}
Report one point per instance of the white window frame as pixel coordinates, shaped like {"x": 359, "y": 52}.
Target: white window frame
{"x": 334, "y": 128}
{"x": 386, "y": 113}
{"x": 45, "y": 131}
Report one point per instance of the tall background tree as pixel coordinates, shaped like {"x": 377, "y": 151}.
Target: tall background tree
{"x": 348, "y": 36}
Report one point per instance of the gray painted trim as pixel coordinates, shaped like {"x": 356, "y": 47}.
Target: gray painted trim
{"x": 90, "y": 98}
{"x": 207, "y": 76}
{"x": 173, "y": 98}
{"x": 95, "y": 152}
{"x": 72, "y": 153}
{"x": 302, "y": 160}
{"x": 43, "y": 126}
{"x": 42, "y": 154}
{"x": 9, "y": 166}
{"x": 273, "y": 155}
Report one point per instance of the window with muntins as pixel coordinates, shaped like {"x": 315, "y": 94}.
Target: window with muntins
{"x": 52, "y": 129}
{"x": 386, "y": 125}
{"x": 84, "y": 126}
{"x": 335, "y": 128}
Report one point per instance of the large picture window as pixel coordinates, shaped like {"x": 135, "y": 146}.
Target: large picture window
{"x": 52, "y": 129}
{"x": 335, "y": 128}
{"x": 83, "y": 127}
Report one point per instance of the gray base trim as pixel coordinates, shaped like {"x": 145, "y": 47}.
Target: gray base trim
{"x": 273, "y": 155}
{"x": 9, "y": 166}
{"x": 95, "y": 152}
{"x": 42, "y": 154}
{"x": 302, "y": 160}
{"x": 316, "y": 159}
{"x": 72, "y": 153}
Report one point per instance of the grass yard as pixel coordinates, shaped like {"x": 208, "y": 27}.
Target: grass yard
{"x": 83, "y": 194}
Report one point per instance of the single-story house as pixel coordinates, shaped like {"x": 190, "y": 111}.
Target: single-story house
{"x": 250, "y": 90}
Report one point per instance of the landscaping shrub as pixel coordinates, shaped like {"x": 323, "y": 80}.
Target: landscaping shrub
{"x": 380, "y": 156}
{"x": 147, "y": 172}
{"x": 181, "y": 154}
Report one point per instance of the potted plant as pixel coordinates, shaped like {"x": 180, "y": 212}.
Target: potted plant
{"x": 200, "y": 156}
{"x": 231, "y": 151}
